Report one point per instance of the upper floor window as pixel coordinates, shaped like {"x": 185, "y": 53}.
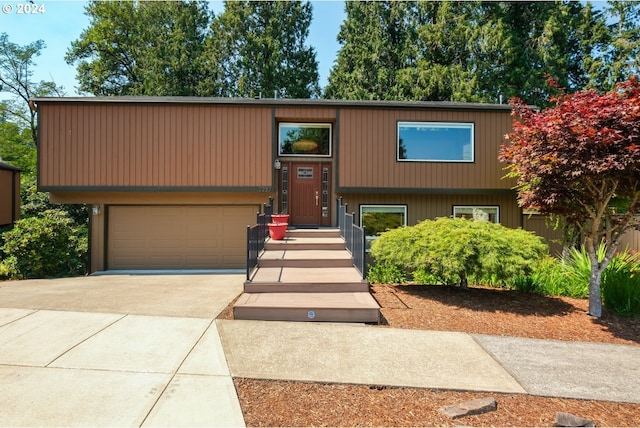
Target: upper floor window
{"x": 304, "y": 139}
{"x": 435, "y": 142}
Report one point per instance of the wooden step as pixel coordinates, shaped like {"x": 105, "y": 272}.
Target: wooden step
{"x": 306, "y": 258}
{"x": 330, "y": 307}
{"x": 294, "y": 232}
{"x": 314, "y": 280}
{"x": 305, "y": 243}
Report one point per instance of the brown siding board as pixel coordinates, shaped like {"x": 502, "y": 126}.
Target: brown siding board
{"x": 6, "y": 197}
{"x": 147, "y": 146}
{"x": 421, "y": 207}
{"x": 305, "y": 113}
{"x": 369, "y": 157}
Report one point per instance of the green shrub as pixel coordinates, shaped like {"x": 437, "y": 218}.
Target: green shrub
{"x": 455, "y": 250}
{"x": 421, "y": 276}
{"x": 553, "y": 277}
{"x": 620, "y": 285}
{"x": 386, "y": 273}
{"x": 47, "y": 246}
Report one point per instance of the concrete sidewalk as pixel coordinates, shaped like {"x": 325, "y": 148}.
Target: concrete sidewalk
{"x": 116, "y": 351}
{"x": 147, "y": 351}
{"x": 344, "y": 353}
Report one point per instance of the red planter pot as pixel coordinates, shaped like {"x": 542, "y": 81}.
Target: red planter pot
{"x": 280, "y": 218}
{"x": 277, "y": 231}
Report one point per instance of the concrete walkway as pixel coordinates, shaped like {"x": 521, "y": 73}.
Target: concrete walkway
{"x": 146, "y": 350}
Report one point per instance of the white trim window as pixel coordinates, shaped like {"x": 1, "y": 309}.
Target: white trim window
{"x": 477, "y": 212}
{"x": 304, "y": 139}
{"x": 435, "y": 142}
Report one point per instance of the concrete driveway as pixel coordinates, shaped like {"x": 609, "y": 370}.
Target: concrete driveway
{"x": 116, "y": 350}
{"x": 170, "y": 295}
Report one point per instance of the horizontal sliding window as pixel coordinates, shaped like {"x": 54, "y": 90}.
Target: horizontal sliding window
{"x": 304, "y": 139}
{"x": 482, "y": 213}
{"x": 435, "y": 142}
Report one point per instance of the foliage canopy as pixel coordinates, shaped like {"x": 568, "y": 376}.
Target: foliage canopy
{"x": 455, "y": 249}
{"x": 581, "y": 160}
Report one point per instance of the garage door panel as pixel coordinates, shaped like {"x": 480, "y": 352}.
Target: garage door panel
{"x": 177, "y": 237}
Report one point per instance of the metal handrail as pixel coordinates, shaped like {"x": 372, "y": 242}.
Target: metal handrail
{"x": 354, "y": 237}
{"x": 256, "y": 236}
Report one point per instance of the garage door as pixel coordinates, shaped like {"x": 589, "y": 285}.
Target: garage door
{"x": 177, "y": 237}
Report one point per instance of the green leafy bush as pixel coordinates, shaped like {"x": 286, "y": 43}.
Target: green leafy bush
{"x": 553, "y": 277}
{"x": 47, "y": 246}
{"x": 620, "y": 285}
{"x": 455, "y": 250}
{"x": 34, "y": 203}
{"x": 620, "y": 282}
{"x": 386, "y": 273}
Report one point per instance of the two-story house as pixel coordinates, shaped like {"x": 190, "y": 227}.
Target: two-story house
{"x": 173, "y": 182}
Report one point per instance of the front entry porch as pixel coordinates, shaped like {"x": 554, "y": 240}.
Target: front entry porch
{"x": 308, "y": 276}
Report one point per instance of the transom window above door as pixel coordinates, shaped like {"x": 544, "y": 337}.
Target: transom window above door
{"x": 304, "y": 139}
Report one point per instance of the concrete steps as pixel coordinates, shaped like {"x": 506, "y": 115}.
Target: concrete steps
{"x": 308, "y": 276}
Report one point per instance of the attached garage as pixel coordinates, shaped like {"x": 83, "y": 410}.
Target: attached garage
{"x": 177, "y": 237}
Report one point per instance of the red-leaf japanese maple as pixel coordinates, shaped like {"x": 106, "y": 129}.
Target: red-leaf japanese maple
{"x": 581, "y": 160}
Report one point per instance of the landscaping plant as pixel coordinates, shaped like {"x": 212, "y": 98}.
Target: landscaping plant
{"x": 621, "y": 285}
{"x": 580, "y": 160}
{"x": 46, "y": 246}
{"x": 455, "y": 250}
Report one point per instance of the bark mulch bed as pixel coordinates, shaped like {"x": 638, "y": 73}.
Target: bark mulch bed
{"x": 479, "y": 310}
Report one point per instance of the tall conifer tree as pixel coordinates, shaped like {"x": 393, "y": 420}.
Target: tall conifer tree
{"x": 260, "y": 48}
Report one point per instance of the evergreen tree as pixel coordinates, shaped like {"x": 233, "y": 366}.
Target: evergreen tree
{"x": 141, "y": 48}
{"x": 467, "y": 51}
{"x": 378, "y": 39}
{"x": 259, "y": 48}
{"x": 618, "y": 57}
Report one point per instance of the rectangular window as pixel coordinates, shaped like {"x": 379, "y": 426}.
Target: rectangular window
{"x": 435, "y": 142}
{"x": 481, "y": 213}
{"x": 380, "y": 218}
{"x": 304, "y": 139}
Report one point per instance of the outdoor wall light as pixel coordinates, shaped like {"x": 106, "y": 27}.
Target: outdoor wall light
{"x": 95, "y": 210}
{"x": 277, "y": 164}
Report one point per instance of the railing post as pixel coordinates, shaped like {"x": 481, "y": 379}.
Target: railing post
{"x": 249, "y": 253}
{"x": 363, "y": 252}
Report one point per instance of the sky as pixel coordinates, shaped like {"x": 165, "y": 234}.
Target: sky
{"x": 60, "y": 22}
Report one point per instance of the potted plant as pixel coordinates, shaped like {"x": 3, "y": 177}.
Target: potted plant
{"x": 280, "y": 218}
{"x": 277, "y": 231}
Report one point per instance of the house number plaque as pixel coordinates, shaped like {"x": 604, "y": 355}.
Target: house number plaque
{"x": 305, "y": 172}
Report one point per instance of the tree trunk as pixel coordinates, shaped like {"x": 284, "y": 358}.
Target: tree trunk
{"x": 464, "y": 283}
{"x": 595, "y": 299}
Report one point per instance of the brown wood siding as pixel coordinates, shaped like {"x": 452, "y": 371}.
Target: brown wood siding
{"x": 542, "y": 226}
{"x": 298, "y": 114}
{"x": 154, "y": 145}
{"x": 367, "y": 151}
{"x": 6, "y": 197}
{"x": 9, "y": 196}
{"x": 421, "y": 207}
{"x": 630, "y": 241}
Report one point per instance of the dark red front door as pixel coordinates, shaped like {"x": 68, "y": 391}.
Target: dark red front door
{"x": 308, "y": 194}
